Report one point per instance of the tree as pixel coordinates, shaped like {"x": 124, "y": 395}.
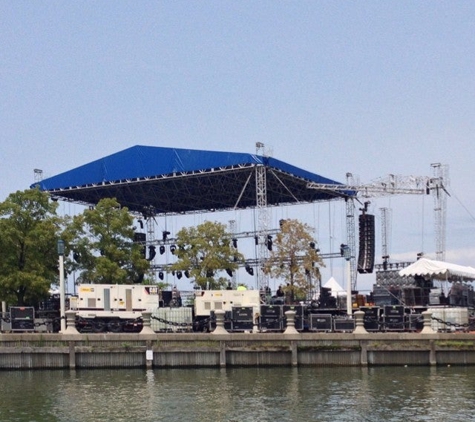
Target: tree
{"x": 204, "y": 251}
{"x": 104, "y": 248}
{"x": 29, "y": 231}
{"x": 294, "y": 258}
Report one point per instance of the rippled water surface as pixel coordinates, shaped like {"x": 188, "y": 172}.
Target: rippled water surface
{"x": 240, "y": 394}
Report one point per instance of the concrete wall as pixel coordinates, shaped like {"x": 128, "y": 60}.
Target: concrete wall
{"x": 38, "y": 351}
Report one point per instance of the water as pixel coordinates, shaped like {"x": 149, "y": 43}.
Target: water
{"x": 240, "y": 394}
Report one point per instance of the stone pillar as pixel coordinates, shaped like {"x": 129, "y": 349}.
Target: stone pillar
{"x": 146, "y": 317}
{"x": 72, "y": 354}
{"x": 294, "y": 359}
{"x": 364, "y": 353}
{"x": 219, "y": 322}
{"x": 359, "y": 322}
{"x": 427, "y": 315}
{"x": 432, "y": 354}
{"x": 222, "y": 354}
{"x": 149, "y": 355}
{"x": 290, "y": 315}
{"x": 71, "y": 323}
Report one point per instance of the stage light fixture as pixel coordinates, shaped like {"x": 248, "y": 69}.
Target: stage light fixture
{"x": 151, "y": 252}
{"x": 269, "y": 242}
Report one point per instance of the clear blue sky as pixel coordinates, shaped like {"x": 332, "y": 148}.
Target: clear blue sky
{"x": 366, "y": 87}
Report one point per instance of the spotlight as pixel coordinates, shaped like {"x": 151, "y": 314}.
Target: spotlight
{"x": 160, "y": 275}
{"x": 229, "y": 271}
{"x": 165, "y": 234}
{"x": 173, "y": 249}
{"x": 178, "y": 274}
{"x": 151, "y": 252}
{"x": 269, "y": 242}
{"x": 235, "y": 243}
{"x": 162, "y": 249}
{"x": 249, "y": 270}
{"x": 187, "y": 274}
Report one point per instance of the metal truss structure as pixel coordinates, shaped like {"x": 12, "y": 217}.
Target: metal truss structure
{"x": 395, "y": 185}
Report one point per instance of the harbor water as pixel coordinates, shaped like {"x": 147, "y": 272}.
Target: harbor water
{"x": 239, "y": 394}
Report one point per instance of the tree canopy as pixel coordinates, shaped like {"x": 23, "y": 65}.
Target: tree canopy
{"x": 205, "y": 251}
{"x": 294, "y": 259}
{"x": 29, "y": 231}
{"x": 103, "y": 245}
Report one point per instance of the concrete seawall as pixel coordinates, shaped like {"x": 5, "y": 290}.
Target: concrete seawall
{"x": 48, "y": 351}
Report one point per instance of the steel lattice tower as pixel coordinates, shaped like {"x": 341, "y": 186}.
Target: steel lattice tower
{"x": 263, "y": 219}
{"x": 439, "y": 186}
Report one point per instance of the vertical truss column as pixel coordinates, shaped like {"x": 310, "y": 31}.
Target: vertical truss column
{"x": 38, "y": 175}
{"x": 232, "y": 229}
{"x": 385, "y": 232}
{"x": 263, "y": 220}
{"x": 350, "y": 233}
{"x": 439, "y": 185}
{"x": 151, "y": 241}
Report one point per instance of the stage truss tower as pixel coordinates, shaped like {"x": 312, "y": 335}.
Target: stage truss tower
{"x": 395, "y": 185}
{"x": 262, "y": 218}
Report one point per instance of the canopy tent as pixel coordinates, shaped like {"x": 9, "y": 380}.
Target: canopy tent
{"x": 439, "y": 270}
{"x": 335, "y": 288}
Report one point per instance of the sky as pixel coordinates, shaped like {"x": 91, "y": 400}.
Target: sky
{"x": 367, "y": 87}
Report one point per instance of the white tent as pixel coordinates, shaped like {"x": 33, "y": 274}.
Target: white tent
{"x": 335, "y": 288}
{"x": 439, "y": 270}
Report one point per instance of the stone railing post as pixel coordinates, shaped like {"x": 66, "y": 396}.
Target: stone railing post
{"x": 219, "y": 322}
{"x": 359, "y": 323}
{"x": 290, "y": 315}
{"x": 71, "y": 323}
{"x": 147, "y": 328}
{"x": 427, "y": 315}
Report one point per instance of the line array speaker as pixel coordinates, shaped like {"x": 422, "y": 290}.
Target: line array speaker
{"x": 367, "y": 244}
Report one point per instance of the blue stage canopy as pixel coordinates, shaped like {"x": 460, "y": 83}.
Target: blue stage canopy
{"x": 158, "y": 180}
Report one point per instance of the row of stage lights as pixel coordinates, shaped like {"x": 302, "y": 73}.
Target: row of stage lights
{"x": 162, "y": 249}
{"x": 179, "y": 274}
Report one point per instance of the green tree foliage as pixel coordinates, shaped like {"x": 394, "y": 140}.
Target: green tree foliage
{"x": 206, "y": 250}
{"x": 104, "y": 248}
{"x": 294, "y": 259}
{"x": 29, "y": 231}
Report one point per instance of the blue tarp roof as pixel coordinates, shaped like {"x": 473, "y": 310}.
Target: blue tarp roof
{"x": 172, "y": 180}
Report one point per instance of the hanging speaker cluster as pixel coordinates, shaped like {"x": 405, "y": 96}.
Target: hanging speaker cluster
{"x": 367, "y": 244}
